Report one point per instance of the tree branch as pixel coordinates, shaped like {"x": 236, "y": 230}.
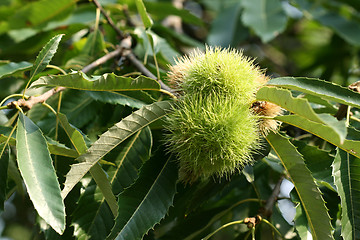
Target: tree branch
{"x": 33, "y": 100}
{"x": 267, "y": 211}
{"x": 130, "y": 55}
{"x": 108, "y": 19}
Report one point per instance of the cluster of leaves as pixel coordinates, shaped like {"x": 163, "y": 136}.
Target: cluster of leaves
{"x": 92, "y": 157}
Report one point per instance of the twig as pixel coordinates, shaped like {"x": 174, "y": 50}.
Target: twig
{"x": 138, "y": 64}
{"x": 108, "y": 19}
{"x": 33, "y": 100}
{"x": 267, "y": 211}
{"x": 129, "y": 54}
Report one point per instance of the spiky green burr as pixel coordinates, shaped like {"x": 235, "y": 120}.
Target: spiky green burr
{"x": 212, "y": 129}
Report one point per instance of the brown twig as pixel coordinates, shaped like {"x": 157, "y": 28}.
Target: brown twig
{"x": 267, "y": 210}
{"x": 33, "y": 100}
{"x": 130, "y": 55}
{"x": 108, "y": 19}
{"x": 138, "y": 64}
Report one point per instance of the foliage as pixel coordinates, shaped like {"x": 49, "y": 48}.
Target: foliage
{"x": 83, "y": 152}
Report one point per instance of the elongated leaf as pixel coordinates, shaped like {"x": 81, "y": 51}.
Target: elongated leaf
{"x": 320, "y": 88}
{"x": 4, "y": 161}
{"x": 39, "y": 175}
{"x": 12, "y": 67}
{"x": 45, "y": 55}
{"x": 146, "y": 202}
{"x": 112, "y": 138}
{"x": 322, "y": 131}
{"x": 266, "y": 17}
{"x": 319, "y": 163}
{"x": 301, "y": 223}
{"x": 95, "y": 222}
{"x": 147, "y": 21}
{"x": 300, "y": 106}
{"x": 96, "y": 171}
{"x": 309, "y": 194}
{"x": 346, "y": 172}
{"x": 106, "y": 82}
{"x": 117, "y": 98}
{"x": 225, "y": 24}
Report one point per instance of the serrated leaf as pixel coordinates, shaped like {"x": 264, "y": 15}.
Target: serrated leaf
{"x": 301, "y": 223}
{"x": 39, "y": 175}
{"x": 322, "y": 131}
{"x": 319, "y": 163}
{"x": 112, "y": 138}
{"x": 346, "y": 173}
{"x": 147, "y": 21}
{"x": 45, "y": 55}
{"x": 309, "y": 194}
{"x": 320, "y": 88}
{"x": 106, "y": 82}
{"x": 146, "y": 202}
{"x": 96, "y": 221}
{"x": 266, "y": 17}
{"x": 4, "y": 161}
{"x": 96, "y": 171}
{"x": 12, "y": 67}
{"x": 300, "y": 106}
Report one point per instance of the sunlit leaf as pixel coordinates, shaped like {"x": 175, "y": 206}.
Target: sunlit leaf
{"x": 45, "y": 55}
{"x": 112, "y": 138}
{"x": 309, "y": 194}
{"x": 320, "y": 88}
{"x": 106, "y": 82}
{"x": 39, "y": 175}
{"x": 12, "y": 67}
{"x": 147, "y": 21}
{"x": 96, "y": 221}
{"x": 266, "y": 17}
{"x": 346, "y": 172}
{"x": 322, "y": 131}
{"x": 145, "y": 203}
{"x": 300, "y": 106}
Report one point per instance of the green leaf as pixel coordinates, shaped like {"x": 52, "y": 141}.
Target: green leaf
{"x": 266, "y": 17}
{"x": 4, "y": 161}
{"x": 143, "y": 14}
{"x": 39, "y": 175}
{"x": 319, "y": 163}
{"x": 164, "y": 9}
{"x": 346, "y": 172}
{"x": 322, "y": 131}
{"x": 320, "y": 88}
{"x": 346, "y": 25}
{"x": 146, "y": 202}
{"x": 301, "y": 223}
{"x": 309, "y": 194}
{"x": 112, "y": 138}
{"x": 12, "y": 67}
{"x": 45, "y": 55}
{"x": 225, "y": 24}
{"x": 119, "y": 98}
{"x": 95, "y": 44}
{"x": 96, "y": 221}
{"x": 106, "y": 82}
{"x": 61, "y": 150}
{"x": 301, "y": 106}
{"x": 96, "y": 171}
